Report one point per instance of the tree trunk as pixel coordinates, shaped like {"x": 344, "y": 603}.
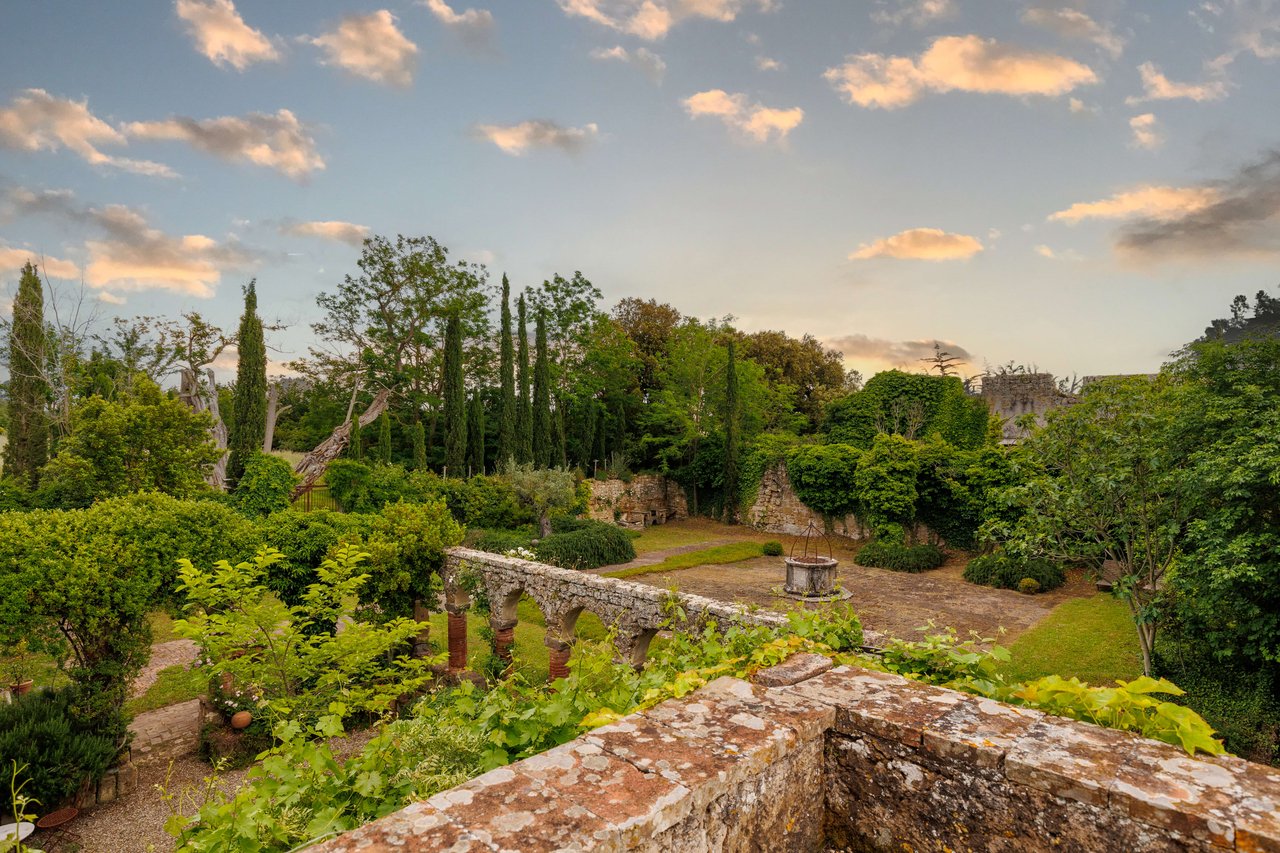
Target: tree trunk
{"x": 274, "y": 411}
{"x": 206, "y": 400}
{"x": 311, "y": 466}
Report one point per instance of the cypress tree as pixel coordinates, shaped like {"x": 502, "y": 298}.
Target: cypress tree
{"x": 598, "y": 454}
{"x": 28, "y": 447}
{"x": 542, "y": 449}
{"x": 384, "y": 438}
{"x": 455, "y": 400}
{"x": 419, "y": 446}
{"x": 475, "y": 439}
{"x": 524, "y": 412}
{"x": 356, "y": 449}
{"x": 249, "y": 402}
{"x": 507, "y": 402}
{"x": 560, "y": 442}
{"x": 731, "y": 437}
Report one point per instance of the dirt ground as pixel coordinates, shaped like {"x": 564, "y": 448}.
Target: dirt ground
{"x": 895, "y": 603}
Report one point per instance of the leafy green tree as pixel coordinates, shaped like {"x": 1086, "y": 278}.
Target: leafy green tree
{"x": 912, "y": 405}
{"x": 731, "y": 449}
{"x": 249, "y": 404}
{"x": 885, "y": 482}
{"x": 542, "y": 450}
{"x": 264, "y": 486}
{"x": 649, "y": 325}
{"x": 475, "y": 439}
{"x": 455, "y": 401}
{"x": 804, "y": 372}
{"x": 27, "y": 448}
{"x": 825, "y": 477}
{"x": 507, "y": 401}
{"x": 384, "y": 438}
{"x": 419, "y": 446}
{"x": 524, "y": 409}
{"x": 542, "y": 490}
{"x": 355, "y": 449}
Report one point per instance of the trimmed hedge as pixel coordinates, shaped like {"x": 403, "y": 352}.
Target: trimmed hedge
{"x": 586, "y": 545}
{"x": 502, "y": 541}
{"x": 898, "y": 557}
{"x": 1003, "y": 571}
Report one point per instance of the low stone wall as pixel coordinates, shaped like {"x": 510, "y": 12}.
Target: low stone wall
{"x": 812, "y": 758}
{"x": 777, "y": 509}
{"x": 647, "y": 499}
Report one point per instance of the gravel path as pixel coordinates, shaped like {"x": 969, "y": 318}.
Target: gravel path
{"x": 163, "y": 655}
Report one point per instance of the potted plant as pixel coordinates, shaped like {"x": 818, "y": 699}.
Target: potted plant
{"x": 19, "y": 664}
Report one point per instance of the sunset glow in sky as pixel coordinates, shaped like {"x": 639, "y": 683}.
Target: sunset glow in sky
{"x": 1079, "y": 185}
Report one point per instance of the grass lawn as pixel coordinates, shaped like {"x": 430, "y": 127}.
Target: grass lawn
{"x": 692, "y": 531}
{"x": 734, "y": 552}
{"x": 1091, "y": 638}
{"x": 174, "y": 684}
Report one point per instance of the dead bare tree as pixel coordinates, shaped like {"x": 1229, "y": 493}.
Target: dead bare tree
{"x": 274, "y": 411}
{"x": 311, "y": 466}
{"x": 202, "y": 397}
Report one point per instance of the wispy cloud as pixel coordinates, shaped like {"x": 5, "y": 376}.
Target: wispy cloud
{"x": 222, "y": 36}
{"x": 473, "y": 26}
{"x": 277, "y": 141}
{"x": 890, "y": 353}
{"x": 1149, "y": 201}
{"x": 13, "y": 259}
{"x": 753, "y": 121}
{"x": 1054, "y": 255}
{"x": 1157, "y": 87}
{"x": 920, "y": 244}
{"x": 765, "y": 63}
{"x": 653, "y": 19}
{"x": 650, "y": 64}
{"x": 370, "y": 46}
{"x": 1146, "y": 132}
{"x": 1073, "y": 24}
{"x": 517, "y": 139}
{"x": 956, "y": 64}
{"x": 329, "y": 229}
{"x": 38, "y": 121}
{"x": 918, "y": 13}
{"x": 129, "y": 255}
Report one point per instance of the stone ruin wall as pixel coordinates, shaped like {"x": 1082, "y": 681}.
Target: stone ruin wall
{"x": 1017, "y": 394}
{"x": 647, "y": 499}
{"x": 812, "y": 758}
{"x": 777, "y": 509}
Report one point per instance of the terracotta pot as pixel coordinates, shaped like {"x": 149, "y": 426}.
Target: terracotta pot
{"x": 241, "y": 719}
{"x": 21, "y": 688}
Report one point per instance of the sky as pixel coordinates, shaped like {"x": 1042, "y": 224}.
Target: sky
{"x": 1079, "y": 186}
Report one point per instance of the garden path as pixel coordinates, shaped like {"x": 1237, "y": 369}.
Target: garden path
{"x": 650, "y": 558}
{"x": 163, "y": 655}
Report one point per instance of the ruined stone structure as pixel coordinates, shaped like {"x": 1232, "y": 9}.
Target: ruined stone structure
{"x": 1016, "y": 394}
{"x": 812, "y": 758}
{"x": 636, "y": 610}
{"x": 777, "y": 509}
{"x": 647, "y": 499}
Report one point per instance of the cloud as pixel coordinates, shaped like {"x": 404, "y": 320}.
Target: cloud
{"x": 1254, "y": 26}
{"x": 1239, "y": 217}
{"x": 370, "y": 46}
{"x": 516, "y": 139}
{"x": 1146, "y": 132}
{"x": 222, "y": 35}
{"x": 330, "y": 229}
{"x": 649, "y": 63}
{"x": 129, "y": 255}
{"x": 765, "y": 63}
{"x": 277, "y": 141}
{"x": 1157, "y": 87}
{"x": 756, "y": 122}
{"x": 920, "y": 244}
{"x": 1052, "y": 255}
{"x": 38, "y": 121}
{"x": 893, "y": 353}
{"x": 918, "y": 13}
{"x": 1074, "y": 24}
{"x": 1148, "y": 201}
{"x": 473, "y": 26}
{"x": 13, "y": 259}
{"x": 653, "y": 19}
{"x": 956, "y": 63}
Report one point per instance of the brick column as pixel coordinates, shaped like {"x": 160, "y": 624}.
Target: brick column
{"x": 559, "y": 666}
{"x": 422, "y": 642}
{"x": 504, "y": 637}
{"x": 457, "y": 640}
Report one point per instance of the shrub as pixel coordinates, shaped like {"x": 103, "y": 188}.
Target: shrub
{"x": 361, "y": 487}
{"x": 406, "y": 544}
{"x": 586, "y": 545}
{"x": 264, "y": 486}
{"x": 772, "y": 549}
{"x": 305, "y": 538}
{"x": 1004, "y": 571}
{"x": 824, "y": 477}
{"x": 41, "y": 731}
{"x": 1029, "y": 586}
{"x": 502, "y": 541}
{"x": 885, "y": 553}
{"x": 488, "y": 502}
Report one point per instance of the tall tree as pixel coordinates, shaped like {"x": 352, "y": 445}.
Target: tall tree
{"x": 419, "y": 446}
{"x": 542, "y": 449}
{"x": 455, "y": 400}
{"x": 28, "y": 446}
{"x": 524, "y": 411}
{"x": 475, "y": 438}
{"x": 249, "y": 404}
{"x": 507, "y": 369}
{"x": 384, "y": 438}
{"x": 356, "y": 449}
{"x": 731, "y": 436}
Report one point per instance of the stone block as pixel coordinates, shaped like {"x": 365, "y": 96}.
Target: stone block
{"x": 1068, "y": 759}
{"x": 1161, "y": 785}
{"x": 793, "y": 670}
{"x": 415, "y": 827}
{"x": 107, "y": 788}
{"x": 978, "y": 731}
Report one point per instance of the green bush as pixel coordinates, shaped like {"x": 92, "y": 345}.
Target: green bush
{"x": 586, "y": 545}
{"x": 1029, "y": 586}
{"x": 502, "y": 541}
{"x": 1007, "y": 572}
{"x": 772, "y": 549}
{"x": 361, "y": 487}
{"x": 824, "y": 477}
{"x": 41, "y": 731}
{"x": 305, "y": 538}
{"x": 406, "y": 544}
{"x": 264, "y": 486}
{"x": 885, "y": 553}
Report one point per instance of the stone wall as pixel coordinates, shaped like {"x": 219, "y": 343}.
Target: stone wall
{"x": 647, "y": 499}
{"x": 811, "y": 758}
{"x": 1013, "y": 395}
{"x": 777, "y": 509}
